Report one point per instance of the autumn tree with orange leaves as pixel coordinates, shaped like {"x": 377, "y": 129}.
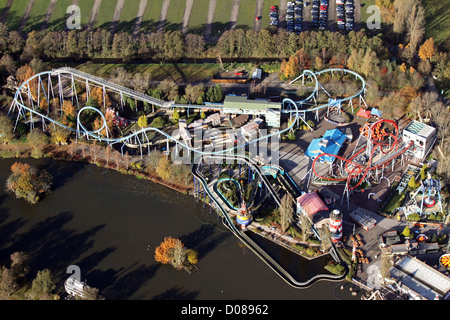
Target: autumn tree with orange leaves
{"x": 28, "y": 182}
{"x": 173, "y": 251}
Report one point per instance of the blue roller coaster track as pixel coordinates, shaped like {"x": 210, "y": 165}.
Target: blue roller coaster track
{"x": 31, "y": 108}
{"x": 27, "y": 106}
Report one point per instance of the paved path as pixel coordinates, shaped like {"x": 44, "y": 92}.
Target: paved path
{"x": 209, "y": 19}
{"x": 258, "y": 13}
{"x": 186, "y": 16}
{"x": 94, "y": 13}
{"x": 48, "y": 14}
{"x": 6, "y": 10}
{"x": 116, "y": 16}
{"x": 163, "y": 15}
{"x": 282, "y": 14}
{"x": 139, "y": 16}
{"x": 234, "y": 13}
{"x": 357, "y": 18}
{"x": 23, "y": 22}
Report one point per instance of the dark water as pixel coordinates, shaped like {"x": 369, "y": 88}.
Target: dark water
{"x": 109, "y": 225}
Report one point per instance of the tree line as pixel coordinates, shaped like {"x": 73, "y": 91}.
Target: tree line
{"x": 173, "y": 45}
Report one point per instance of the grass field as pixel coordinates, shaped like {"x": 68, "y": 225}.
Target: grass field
{"x": 246, "y": 16}
{"x": 437, "y": 15}
{"x": 86, "y": 9}
{"x": 15, "y": 13}
{"x": 59, "y": 15}
{"x": 176, "y": 72}
{"x": 266, "y": 10}
{"x": 366, "y": 4}
{"x": 175, "y": 14}
{"x": 37, "y": 15}
{"x": 151, "y": 15}
{"x": 197, "y": 21}
{"x": 128, "y": 16}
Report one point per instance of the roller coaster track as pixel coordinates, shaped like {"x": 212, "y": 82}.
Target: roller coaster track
{"x": 23, "y": 95}
{"x": 27, "y": 106}
{"x": 359, "y": 171}
{"x": 264, "y": 256}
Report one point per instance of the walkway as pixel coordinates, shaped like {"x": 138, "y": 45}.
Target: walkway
{"x": 139, "y": 16}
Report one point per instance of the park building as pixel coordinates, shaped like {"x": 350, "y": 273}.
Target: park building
{"x": 238, "y": 105}
{"x": 423, "y": 137}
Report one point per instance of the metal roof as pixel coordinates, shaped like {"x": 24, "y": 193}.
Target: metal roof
{"x": 242, "y": 102}
{"x": 425, "y": 274}
{"x": 420, "y": 129}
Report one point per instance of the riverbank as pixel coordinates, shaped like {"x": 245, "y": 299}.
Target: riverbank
{"x": 93, "y": 154}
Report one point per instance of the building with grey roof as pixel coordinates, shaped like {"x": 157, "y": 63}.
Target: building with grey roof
{"x": 420, "y": 280}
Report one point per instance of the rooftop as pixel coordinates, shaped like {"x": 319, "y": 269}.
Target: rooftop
{"x": 420, "y": 129}
{"x": 330, "y": 143}
{"x": 242, "y": 102}
{"x": 420, "y": 277}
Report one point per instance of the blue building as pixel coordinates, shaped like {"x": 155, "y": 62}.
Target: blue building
{"x": 330, "y": 143}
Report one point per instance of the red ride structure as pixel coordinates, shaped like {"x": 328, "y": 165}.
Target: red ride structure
{"x": 376, "y": 142}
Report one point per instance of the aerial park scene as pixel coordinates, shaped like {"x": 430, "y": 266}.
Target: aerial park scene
{"x": 325, "y": 164}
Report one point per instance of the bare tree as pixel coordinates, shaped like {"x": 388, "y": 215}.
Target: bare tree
{"x": 325, "y": 235}
{"x": 286, "y": 212}
{"x": 305, "y": 225}
{"x": 178, "y": 254}
{"x": 416, "y": 26}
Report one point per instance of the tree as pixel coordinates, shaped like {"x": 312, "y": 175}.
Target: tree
{"x": 142, "y": 121}
{"x": 153, "y": 159}
{"x": 175, "y": 115}
{"x": 163, "y": 253}
{"x": 42, "y": 286}
{"x": 68, "y": 110}
{"x": 192, "y": 256}
{"x": 194, "y": 93}
{"x": 6, "y": 129}
{"x": 427, "y": 50}
{"x": 163, "y": 169}
{"x": 416, "y": 25}
{"x": 286, "y": 212}
{"x": 20, "y": 265}
{"x": 59, "y": 134}
{"x": 28, "y": 182}
{"x": 178, "y": 254}
{"x": 174, "y": 45}
{"x": 37, "y": 139}
{"x": 305, "y": 225}
{"x": 407, "y": 232}
{"x": 8, "y": 284}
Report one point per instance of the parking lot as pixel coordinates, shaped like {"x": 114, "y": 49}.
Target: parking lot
{"x": 297, "y": 16}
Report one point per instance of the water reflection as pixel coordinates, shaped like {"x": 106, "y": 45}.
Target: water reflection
{"x": 109, "y": 225}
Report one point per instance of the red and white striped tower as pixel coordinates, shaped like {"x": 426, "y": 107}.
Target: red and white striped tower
{"x": 336, "y": 225}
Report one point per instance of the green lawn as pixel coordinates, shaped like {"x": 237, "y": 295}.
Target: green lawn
{"x": 197, "y": 19}
{"x": 176, "y": 72}
{"x": 246, "y": 16}
{"x": 366, "y": 4}
{"x": 266, "y": 10}
{"x": 37, "y": 15}
{"x": 221, "y": 20}
{"x": 16, "y": 13}
{"x": 86, "y": 9}
{"x": 59, "y": 16}
{"x": 151, "y": 16}
{"x": 437, "y": 15}
{"x": 175, "y": 14}
{"x": 106, "y": 13}
{"x": 128, "y": 16}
